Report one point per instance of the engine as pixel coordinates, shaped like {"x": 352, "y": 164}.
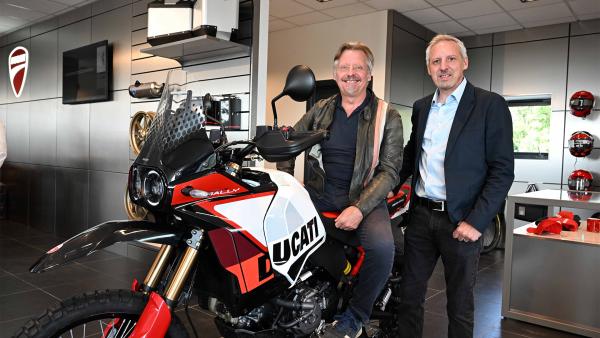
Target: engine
{"x": 302, "y": 313}
{"x": 299, "y": 312}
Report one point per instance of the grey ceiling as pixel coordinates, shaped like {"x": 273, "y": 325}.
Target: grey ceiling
{"x": 457, "y": 17}
{"x": 15, "y": 14}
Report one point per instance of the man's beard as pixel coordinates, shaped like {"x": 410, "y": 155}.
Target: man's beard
{"x": 351, "y": 89}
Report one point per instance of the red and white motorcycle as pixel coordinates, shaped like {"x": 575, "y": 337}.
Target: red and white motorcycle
{"x": 248, "y": 242}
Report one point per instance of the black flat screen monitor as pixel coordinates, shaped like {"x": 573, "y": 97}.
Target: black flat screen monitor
{"x": 87, "y": 74}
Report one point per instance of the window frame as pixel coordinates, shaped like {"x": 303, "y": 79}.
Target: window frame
{"x": 524, "y": 101}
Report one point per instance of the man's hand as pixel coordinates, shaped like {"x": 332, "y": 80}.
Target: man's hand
{"x": 349, "y": 219}
{"x": 465, "y": 232}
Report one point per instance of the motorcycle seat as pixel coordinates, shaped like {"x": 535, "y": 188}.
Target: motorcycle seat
{"x": 346, "y": 237}
{"x": 394, "y": 205}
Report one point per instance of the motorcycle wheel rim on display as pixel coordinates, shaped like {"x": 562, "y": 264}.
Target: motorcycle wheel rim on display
{"x": 139, "y": 128}
{"x": 91, "y": 314}
{"x": 134, "y": 211}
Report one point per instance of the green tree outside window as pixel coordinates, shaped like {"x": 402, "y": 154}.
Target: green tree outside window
{"x": 531, "y": 125}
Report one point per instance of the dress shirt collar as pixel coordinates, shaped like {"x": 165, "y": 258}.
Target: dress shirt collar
{"x": 456, "y": 94}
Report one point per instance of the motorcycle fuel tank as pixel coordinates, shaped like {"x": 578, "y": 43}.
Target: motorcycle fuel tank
{"x": 292, "y": 226}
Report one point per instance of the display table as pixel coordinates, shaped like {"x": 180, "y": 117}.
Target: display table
{"x": 553, "y": 280}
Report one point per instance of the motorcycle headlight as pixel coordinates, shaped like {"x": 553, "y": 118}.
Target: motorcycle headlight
{"x": 153, "y": 188}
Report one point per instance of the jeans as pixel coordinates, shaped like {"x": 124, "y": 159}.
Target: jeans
{"x": 429, "y": 236}
{"x": 375, "y": 233}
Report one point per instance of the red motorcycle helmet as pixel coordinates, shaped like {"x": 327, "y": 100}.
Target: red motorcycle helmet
{"x": 580, "y": 180}
{"x": 582, "y": 196}
{"x": 581, "y": 143}
{"x": 581, "y": 103}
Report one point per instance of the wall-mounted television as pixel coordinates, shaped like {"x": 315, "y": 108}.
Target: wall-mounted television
{"x": 87, "y": 74}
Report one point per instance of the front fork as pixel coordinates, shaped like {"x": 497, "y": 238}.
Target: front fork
{"x": 184, "y": 268}
{"x": 156, "y": 317}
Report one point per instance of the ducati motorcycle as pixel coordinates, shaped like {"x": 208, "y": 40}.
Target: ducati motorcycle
{"x": 247, "y": 241}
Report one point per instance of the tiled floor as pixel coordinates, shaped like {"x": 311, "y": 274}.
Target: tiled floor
{"x": 23, "y": 295}
{"x": 488, "y": 304}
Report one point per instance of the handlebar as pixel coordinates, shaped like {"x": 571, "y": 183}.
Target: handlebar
{"x": 282, "y": 145}
{"x": 277, "y": 145}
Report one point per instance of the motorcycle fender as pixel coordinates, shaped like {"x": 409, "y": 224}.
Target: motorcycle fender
{"x": 155, "y": 320}
{"x": 102, "y": 236}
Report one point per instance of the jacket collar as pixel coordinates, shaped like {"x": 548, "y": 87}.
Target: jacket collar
{"x": 465, "y": 107}
{"x": 422, "y": 122}
{"x": 464, "y": 110}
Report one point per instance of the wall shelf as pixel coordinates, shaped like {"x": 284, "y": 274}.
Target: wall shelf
{"x": 198, "y": 48}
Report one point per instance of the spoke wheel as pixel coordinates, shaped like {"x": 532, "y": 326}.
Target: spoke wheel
{"x": 95, "y": 315}
{"x": 139, "y": 127}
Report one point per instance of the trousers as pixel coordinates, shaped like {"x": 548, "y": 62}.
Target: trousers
{"x": 375, "y": 233}
{"x": 428, "y": 236}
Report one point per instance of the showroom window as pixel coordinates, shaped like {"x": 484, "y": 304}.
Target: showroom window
{"x": 531, "y": 125}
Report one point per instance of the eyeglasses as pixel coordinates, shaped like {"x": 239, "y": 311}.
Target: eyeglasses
{"x": 346, "y": 68}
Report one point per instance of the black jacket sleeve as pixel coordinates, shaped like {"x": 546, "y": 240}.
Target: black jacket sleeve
{"x": 386, "y": 173}
{"x": 499, "y": 158}
{"x": 410, "y": 150}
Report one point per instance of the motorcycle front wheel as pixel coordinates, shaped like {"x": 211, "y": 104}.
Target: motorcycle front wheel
{"x": 90, "y": 314}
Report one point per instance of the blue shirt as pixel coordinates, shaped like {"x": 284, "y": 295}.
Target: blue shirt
{"x": 432, "y": 180}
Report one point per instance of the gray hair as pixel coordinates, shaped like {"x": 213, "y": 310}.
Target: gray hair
{"x": 355, "y": 45}
{"x": 445, "y": 37}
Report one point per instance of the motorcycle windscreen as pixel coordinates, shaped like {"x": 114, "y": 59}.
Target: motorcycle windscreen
{"x": 177, "y": 141}
{"x": 293, "y": 228}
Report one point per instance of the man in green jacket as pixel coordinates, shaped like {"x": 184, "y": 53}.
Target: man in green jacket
{"x": 352, "y": 172}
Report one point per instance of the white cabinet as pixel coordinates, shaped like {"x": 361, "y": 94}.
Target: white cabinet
{"x": 553, "y": 280}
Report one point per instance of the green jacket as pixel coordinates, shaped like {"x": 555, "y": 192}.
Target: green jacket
{"x": 365, "y": 194}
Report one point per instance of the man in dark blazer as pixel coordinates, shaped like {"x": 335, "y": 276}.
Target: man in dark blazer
{"x": 460, "y": 156}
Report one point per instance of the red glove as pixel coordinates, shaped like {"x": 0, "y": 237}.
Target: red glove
{"x": 568, "y": 221}
{"x": 564, "y": 220}
{"x": 550, "y": 224}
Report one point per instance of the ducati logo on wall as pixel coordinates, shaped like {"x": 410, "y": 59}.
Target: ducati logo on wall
{"x": 18, "y": 60}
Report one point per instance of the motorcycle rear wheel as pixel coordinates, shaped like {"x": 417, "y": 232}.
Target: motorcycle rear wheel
{"x": 89, "y": 314}
{"x": 492, "y": 235}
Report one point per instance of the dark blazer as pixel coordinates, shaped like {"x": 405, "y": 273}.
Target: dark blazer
{"x": 479, "y": 161}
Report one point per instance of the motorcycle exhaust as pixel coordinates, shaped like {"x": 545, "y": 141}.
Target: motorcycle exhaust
{"x": 146, "y": 90}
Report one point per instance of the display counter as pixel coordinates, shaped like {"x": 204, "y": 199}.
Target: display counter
{"x": 553, "y": 279}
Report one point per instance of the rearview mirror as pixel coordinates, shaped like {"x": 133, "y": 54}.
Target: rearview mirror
{"x": 299, "y": 85}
